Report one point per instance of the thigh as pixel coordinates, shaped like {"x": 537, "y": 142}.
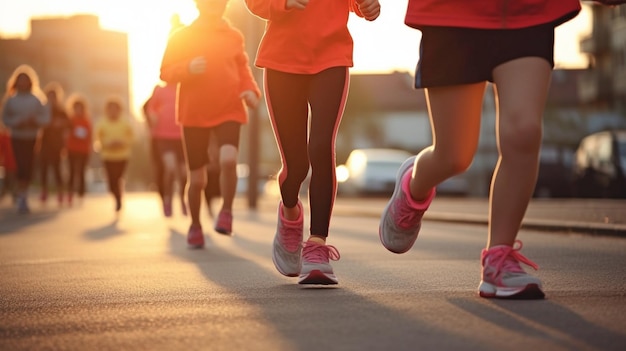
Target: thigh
{"x": 455, "y": 113}
{"x": 328, "y": 93}
{"x": 196, "y": 146}
{"x": 24, "y": 151}
{"x": 288, "y": 107}
{"x": 227, "y": 133}
{"x": 522, "y": 89}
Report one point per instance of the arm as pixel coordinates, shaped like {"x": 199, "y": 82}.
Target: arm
{"x": 175, "y": 66}
{"x": 250, "y": 91}
{"x": 8, "y": 118}
{"x": 368, "y": 9}
{"x": 44, "y": 114}
{"x": 269, "y": 9}
{"x": 151, "y": 107}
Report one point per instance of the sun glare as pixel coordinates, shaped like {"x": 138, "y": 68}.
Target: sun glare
{"x": 380, "y": 46}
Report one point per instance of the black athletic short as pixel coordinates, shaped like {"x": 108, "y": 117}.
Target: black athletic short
{"x": 454, "y": 56}
{"x": 197, "y": 139}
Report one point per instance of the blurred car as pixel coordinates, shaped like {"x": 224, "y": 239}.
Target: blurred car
{"x": 370, "y": 172}
{"x": 600, "y": 165}
{"x": 554, "y": 179}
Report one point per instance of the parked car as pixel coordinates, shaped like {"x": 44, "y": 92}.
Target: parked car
{"x": 554, "y": 179}
{"x": 600, "y": 165}
{"x": 370, "y": 171}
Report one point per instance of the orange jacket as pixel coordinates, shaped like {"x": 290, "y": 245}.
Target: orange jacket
{"x": 304, "y": 41}
{"x": 490, "y": 14}
{"x": 211, "y": 98}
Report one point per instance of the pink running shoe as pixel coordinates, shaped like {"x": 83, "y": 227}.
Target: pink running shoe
{"x": 316, "y": 268}
{"x": 503, "y": 277}
{"x": 287, "y": 246}
{"x": 167, "y": 209}
{"x": 401, "y": 219}
{"x": 195, "y": 238}
{"x": 224, "y": 224}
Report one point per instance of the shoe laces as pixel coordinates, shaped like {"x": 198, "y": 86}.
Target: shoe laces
{"x": 320, "y": 253}
{"x": 406, "y": 216}
{"x": 507, "y": 259}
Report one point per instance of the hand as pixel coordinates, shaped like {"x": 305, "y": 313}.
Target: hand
{"x": 250, "y": 98}
{"x": 369, "y": 8}
{"x": 296, "y": 4}
{"x": 197, "y": 65}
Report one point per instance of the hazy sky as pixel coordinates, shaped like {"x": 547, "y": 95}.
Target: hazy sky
{"x": 383, "y": 45}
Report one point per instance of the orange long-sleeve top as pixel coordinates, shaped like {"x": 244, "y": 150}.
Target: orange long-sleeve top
{"x": 213, "y": 97}
{"x": 305, "y": 41}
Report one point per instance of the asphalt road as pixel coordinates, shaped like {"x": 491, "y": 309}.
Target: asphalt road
{"x": 77, "y": 279}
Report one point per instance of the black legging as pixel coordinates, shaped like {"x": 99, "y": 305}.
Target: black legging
{"x": 288, "y": 98}
{"x": 51, "y": 160}
{"x": 115, "y": 171}
{"x": 78, "y": 166}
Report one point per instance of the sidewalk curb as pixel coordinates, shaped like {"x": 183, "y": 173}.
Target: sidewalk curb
{"x": 603, "y": 229}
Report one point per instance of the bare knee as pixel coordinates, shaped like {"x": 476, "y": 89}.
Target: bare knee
{"x": 521, "y": 137}
{"x": 452, "y": 164}
{"x": 197, "y": 179}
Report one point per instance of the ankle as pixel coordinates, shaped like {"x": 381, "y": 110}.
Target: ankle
{"x": 317, "y": 239}
{"x": 291, "y": 213}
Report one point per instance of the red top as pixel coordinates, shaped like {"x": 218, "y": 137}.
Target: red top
{"x": 79, "y": 139}
{"x": 213, "y": 97}
{"x": 490, "y": 14}
{"x": 7, "y": 158}
{"x": 305, "y": 41}
{"x": 162, "y": 104}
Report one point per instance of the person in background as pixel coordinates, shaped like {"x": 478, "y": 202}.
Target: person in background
{"x": 25, "y": 113}
{"x": 114, "y": 137}
{"x": 166, "y": 134}
{"x": 306, "y": 52}
{"x": 7, "y": 162}
{"x": 52, "y": 142}
{"x": 78, "y": 145}
{"x": 208, "y": 61}
{"x": 157, "y": 162}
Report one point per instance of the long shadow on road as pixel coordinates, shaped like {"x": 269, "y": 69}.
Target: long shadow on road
{"x": 315, "y": 318}
{"x": 11, "y": 222}
{"x": 546, "y": 320}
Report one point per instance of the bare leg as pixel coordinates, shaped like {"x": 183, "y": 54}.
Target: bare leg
{"x": 455, "y": 118}
{"x": 197, "y": 182}
{"x": 228, "y": 175}
{"x": 522, "y": 88}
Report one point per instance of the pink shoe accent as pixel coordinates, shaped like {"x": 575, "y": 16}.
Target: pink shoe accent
{"x": 195, "y": 237}
{"x": 418, "y": 205}
{"x": 224, "y": 223}
{"x": 290, "y": 233}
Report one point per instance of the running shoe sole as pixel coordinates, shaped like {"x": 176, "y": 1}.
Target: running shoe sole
{"x": 528, "y": 292}
{"x": 408, "y": 164}
{"x": 317, "y": 277}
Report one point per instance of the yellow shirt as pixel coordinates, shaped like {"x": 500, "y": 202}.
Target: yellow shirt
{"x": 115, "y": 139}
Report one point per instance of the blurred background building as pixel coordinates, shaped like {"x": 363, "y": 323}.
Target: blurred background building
{"x": 75, "y": 52}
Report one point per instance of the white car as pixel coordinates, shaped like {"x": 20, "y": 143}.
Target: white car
{"x": 370, "y": 171}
